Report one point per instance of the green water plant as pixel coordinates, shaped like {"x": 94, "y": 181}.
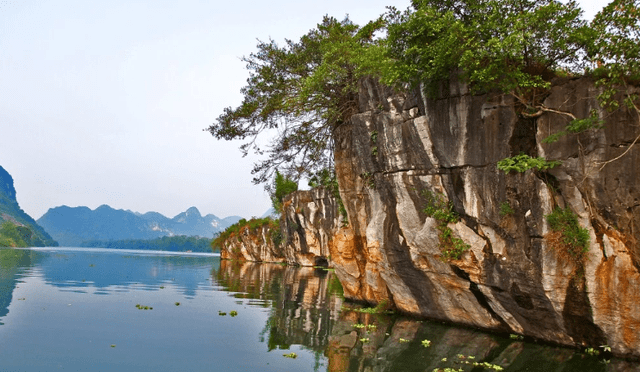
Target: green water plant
{"x": 233, "y": 313}
{"x": 291, "y": 355}
{"x": 426, "y": 343}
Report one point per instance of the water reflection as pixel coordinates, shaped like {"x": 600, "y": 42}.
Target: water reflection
{"x": 280, "y": 307}
{"x": 109, "y": 270}
{"x": 305, "y": 309}
{"x": 12, "y": 264}
{"x": 304, "y": 302}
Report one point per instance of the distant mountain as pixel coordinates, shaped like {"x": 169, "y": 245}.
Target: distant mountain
{"x": 80, "y": 225}
{"x": 10, "y": 211}
{"x": 270, "y": 213}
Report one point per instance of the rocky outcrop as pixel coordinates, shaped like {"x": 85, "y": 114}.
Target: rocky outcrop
{"x": 310, "y": 222}
{"x": 511, "y": 279}
{"x": 309, "y": 225}
{"x": 255, "y": 245}
{"x": 10, "y": 211}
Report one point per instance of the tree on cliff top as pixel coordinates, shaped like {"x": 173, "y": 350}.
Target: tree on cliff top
{"x": 299, "y": 92}
{"x": 513, "y": 46}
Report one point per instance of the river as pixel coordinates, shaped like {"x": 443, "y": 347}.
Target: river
{"x": 79, "y": 309}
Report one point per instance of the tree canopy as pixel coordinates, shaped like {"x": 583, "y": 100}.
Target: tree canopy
{"x": 513, "y": 46}
{"x": 302, "y": 91}
{"x": 299, "y": 93}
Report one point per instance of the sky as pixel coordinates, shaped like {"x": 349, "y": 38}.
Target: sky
{"x": 105, "y": 102}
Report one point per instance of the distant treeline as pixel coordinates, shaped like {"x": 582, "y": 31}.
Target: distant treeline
{"x": 180, "y": 243}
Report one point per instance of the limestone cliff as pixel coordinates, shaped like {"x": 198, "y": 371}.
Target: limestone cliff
{"x": 309, "y": 221}
{"x": 511, "y": 279}
{"x": 254, "y": 245}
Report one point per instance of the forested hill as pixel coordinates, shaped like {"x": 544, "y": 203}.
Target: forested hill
{"x": 17, "y": 228}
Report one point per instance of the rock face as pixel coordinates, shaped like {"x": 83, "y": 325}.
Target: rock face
{"x": 310, "y": 224}
{"x": 511, "y": 279}
{"x": 10, "y": 211}
{"x": 255, "y": 245}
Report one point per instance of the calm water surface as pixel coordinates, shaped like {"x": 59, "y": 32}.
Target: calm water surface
{"x": 76, "y": 309}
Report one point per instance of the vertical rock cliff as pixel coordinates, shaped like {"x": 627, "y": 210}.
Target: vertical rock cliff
{"x": 402, "y": 147}
{"x": 308, "y": 227}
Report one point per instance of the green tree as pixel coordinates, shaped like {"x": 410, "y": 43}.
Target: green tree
{"x": 282, "y": 186}
{"x": 12, "y": 235}
{"x": 299, "y": 93}
{"x": 512, "y": 46}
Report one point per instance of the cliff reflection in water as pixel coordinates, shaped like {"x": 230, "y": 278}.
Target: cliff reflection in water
{"x": 304, "y": 302}
{"x": 306, "y": 308}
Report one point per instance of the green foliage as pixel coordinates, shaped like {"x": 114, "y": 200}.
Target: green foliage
{"x": 439, "y": 208}
{"x": 282, "y": 186}
{"x": 327, "y": 178}
{"x": 442, "y": 211}
{"x": 573, "y": 238}
{"x": 304, "y": 89}
{"x": 369, "y": 180}
{"x": 592, "y": 122}
{"x": 180, "y": 243}
{"x": 469, "y": 360}
{"x": 615, "y": 51}
{"x": 253, "y": 224}
{"x": 522, "y": 163}
{"x": 334, "y": 286}
{"x": 14, "y": 236}
{"x": 508, "y": 45}
{"x": 505, "y": 209}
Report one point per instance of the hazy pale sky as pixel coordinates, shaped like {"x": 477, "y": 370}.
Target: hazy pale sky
{"x": 105, "y": 102}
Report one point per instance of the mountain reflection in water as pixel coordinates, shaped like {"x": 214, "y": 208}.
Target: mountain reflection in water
{"x": 306, "y": 308}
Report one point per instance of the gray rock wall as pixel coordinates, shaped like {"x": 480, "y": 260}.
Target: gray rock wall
{"x": 511, "y": 279}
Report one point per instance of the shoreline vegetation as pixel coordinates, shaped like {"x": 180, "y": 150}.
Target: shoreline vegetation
{"x": 181, "y": 243}
{"x": 252, "y": 225}
{"x": 16, "y": 236}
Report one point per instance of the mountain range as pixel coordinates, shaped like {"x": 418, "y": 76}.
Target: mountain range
{"x": 77, "y": 226}
{"x": 10, "y": 211}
